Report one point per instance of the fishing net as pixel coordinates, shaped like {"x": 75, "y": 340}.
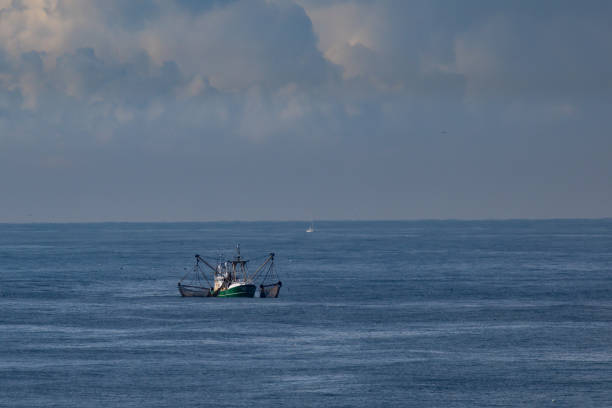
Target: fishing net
{"x": 270, "y": 291}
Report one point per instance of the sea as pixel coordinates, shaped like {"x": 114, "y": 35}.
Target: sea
{"x": 447, "y": 313}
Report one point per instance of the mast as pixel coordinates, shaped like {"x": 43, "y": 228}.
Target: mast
{"x": 239, "y": 266}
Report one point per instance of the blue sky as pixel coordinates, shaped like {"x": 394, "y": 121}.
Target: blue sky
{"x": 273, "y": 110}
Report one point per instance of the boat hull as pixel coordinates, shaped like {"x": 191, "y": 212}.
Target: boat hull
{"x": 238, "y": 291}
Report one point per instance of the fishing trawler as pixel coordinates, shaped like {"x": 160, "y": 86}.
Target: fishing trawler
{"x": 230, "y": 279}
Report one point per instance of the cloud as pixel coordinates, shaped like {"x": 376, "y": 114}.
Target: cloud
{"x": 560, "y": 56}
{"x": 157, "y": 59}
{"x": 355, "y": 97}
{"x": 244, "y": 44}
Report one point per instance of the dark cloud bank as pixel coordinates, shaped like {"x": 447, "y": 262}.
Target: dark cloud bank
{"x": 225, "y": 110}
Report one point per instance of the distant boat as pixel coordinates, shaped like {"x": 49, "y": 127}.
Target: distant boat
{"x": 310, "y": 228}
{"x": 230, "y": 278}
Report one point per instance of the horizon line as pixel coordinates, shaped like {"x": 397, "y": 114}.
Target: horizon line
{"x": 310, "y": 220}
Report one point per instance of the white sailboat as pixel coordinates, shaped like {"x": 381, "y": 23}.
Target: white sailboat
{"x": 310, "y": 228}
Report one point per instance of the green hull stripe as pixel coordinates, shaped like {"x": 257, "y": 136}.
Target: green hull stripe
{"x": 239, "y": 291}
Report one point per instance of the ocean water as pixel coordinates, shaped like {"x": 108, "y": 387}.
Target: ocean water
{"x": 393, "y": 314}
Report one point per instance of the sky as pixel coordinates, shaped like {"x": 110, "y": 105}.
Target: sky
{"x": 202, "y": 110}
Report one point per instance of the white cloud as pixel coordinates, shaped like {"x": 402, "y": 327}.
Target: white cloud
{"x": 367, "y": 85}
